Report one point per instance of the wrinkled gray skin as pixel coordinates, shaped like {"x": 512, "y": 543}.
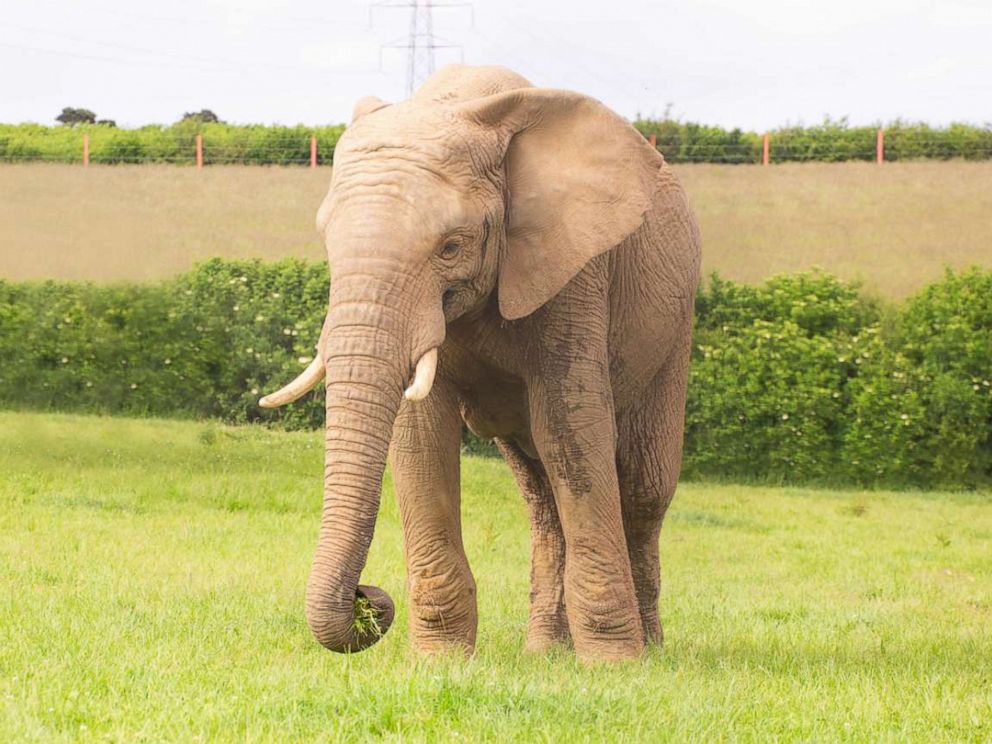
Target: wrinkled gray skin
{"x": 548, "y": 252}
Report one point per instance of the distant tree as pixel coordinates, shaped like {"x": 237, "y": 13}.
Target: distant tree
{"x": 107, "y": 123}
{"x": 73, "y": 116}
{"x": 206, "y": 116}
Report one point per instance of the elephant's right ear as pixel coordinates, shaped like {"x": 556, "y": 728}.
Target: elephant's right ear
{"x": 366, "y": 106}
{"x": 578, "y": 179}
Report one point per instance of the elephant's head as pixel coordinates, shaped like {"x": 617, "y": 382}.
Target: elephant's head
{"x": 478, "y": 184}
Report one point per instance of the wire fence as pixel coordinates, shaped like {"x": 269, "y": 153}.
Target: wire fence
{"x": 269, "y": 146}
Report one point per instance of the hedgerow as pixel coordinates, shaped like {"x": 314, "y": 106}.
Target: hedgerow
{"x": 222, "y": 143}
{"x": 923, "y": 410}
{"x": 799, "y": 380}
{"x": 204, "y": 344}
{"x": 833, "y": 140}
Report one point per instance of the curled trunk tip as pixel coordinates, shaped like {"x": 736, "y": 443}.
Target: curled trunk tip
{"x": 373, "y": 612}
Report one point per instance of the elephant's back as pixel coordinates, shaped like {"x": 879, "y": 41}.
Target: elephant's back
{"x": 456, "y": 83}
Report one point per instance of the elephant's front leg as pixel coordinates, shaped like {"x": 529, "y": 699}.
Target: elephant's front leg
{"x": 425, "y": 463}
{"x": 574, "y": 430}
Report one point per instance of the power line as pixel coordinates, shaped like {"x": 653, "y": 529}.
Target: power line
{"x": 186, "y": 61}
{"x": 114, "y": 60}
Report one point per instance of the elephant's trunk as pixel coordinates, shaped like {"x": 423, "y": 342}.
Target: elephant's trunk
{"x": 361, "y": 406}
{"x": 366, "y": 368}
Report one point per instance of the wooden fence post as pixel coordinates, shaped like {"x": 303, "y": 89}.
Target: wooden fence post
{"x": 199, "y": 151}
{"x": 765, "y": 150}
{"x": 313, "y": 152}
{"x": 86, "y": 150}
{"x": 880, "y": 146}
{"x": 653, "y": 139}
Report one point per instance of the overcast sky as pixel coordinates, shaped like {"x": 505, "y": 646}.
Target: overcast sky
{"x": 755, "y": 64}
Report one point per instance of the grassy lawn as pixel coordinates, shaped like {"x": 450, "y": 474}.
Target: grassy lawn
{"x": 152, "y": 576}
{"x": 895, "y": 227}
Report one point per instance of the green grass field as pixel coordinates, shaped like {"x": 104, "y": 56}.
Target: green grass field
{"x": 151, "y": 588}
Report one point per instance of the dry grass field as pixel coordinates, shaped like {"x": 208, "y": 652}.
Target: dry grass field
{"x": 895, "y": 227}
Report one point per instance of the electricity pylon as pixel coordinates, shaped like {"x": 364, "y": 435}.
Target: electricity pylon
{"x": 421, "y": 42}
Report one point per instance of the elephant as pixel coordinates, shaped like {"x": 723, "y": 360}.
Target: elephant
{"x": 522, "y": 260}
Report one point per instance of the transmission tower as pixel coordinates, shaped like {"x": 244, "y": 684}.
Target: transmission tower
{"x": 420, "y": 58}
{"x": 421, "y": 42}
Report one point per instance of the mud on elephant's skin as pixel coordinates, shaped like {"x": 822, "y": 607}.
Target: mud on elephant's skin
{"x": 521, "y": 259}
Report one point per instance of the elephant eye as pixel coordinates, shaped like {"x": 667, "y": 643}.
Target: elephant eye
{"x": 450, "y": 249}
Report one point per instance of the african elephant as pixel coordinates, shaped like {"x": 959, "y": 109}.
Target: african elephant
{"x": 530, "y": 262}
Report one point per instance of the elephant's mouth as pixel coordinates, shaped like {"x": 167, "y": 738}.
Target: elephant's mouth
{"x": 448, "y": 300}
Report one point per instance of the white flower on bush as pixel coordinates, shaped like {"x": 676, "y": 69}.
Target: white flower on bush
{"x": 134, "y": 386}
{"x": 785, "y": 417}
{"x": 65, "y": 360}
{"x": 304, "y": 360}
{"x": 168, "y": 361}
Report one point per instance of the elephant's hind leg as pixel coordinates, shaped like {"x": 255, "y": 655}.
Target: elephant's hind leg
{"x": 548, "y": 624}
{"x": 649, "y": 457}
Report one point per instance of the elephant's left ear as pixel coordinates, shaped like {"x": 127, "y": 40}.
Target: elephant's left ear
{"x": 579, "y": 180}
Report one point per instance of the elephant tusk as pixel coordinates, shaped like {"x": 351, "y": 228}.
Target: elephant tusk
{"x": 423, "y": 377}
{"x": 298, "y": 387}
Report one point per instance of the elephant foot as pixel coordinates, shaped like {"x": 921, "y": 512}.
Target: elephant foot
{"x": 453, "y": 641}
{"x": 609, "y": 634}
{"x": 446, "y": 648}
{"x": 653, "y": 633}
{"x": 600, "y": 650}
{"x": 443, "y": 617}
{"x": 545, "y": 633}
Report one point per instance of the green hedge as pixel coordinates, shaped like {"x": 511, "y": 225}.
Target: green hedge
{"x": 222, "y": 143}
{"x": 831, "y": 141}
{"x": 799, "y": 380}
{"x": 679, "y": 141}
{"x": 804, "y": 380}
